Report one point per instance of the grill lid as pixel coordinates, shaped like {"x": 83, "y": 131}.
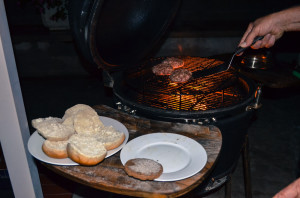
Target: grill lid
{"x": 117, "y": 33}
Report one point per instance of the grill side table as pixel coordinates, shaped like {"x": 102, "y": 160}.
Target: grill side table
{"x": 110, "y": 176}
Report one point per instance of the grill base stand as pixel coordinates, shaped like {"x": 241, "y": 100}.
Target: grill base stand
{"x": 213, "y": 185}
{"x": 246, "y": 169}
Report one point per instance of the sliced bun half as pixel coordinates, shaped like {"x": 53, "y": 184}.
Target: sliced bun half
{"x": 85, "y": 150}
{"x": 87, "y": 122}
{"x": 72, "y": 111}
{"x": 55, "y": 149}
{"x": 143, "y": 169}
{"x": 51, "y": 128}
{"x": 110, "y": 137}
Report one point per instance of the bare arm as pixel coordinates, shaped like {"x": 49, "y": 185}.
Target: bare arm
{"x": 271, "y": 27}
{"x": 291, "y": 191}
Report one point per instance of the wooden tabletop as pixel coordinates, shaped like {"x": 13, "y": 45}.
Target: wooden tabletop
{"x": 110, "y": 176}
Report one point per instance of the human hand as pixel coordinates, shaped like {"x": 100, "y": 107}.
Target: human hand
{"x": 291, "y": 191}
{"x": 269, "y": 26}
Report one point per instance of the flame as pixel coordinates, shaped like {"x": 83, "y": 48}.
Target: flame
{"x": 180, "y": 49}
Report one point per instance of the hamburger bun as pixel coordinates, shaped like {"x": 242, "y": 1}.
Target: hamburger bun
{"x": 55, "y": 149}
{"x": 51, "y": 128}
{"x": 143, "y": 169}
{"x": 85, "y": 150}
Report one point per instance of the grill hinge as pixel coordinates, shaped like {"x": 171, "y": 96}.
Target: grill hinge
{"x": 125, "y": 108}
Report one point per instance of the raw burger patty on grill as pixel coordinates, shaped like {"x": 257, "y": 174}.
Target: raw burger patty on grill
{"x": 162, "y": 69}
{"x": 180, "y": 75}
{"x": 174, "y": 62}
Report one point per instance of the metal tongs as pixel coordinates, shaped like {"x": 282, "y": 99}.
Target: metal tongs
{"x": 226, "y": 65}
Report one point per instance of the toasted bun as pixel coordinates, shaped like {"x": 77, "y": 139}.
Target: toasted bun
{"x": 51, "y": 128}
{"x": 113, "y": 142}
{"x": 55, "y": 149}
{"x": 72, "y": 111}
{"x": 143, "y": 169}
{"x": 87, "y": 122}
{"x": 110, "y": 137}
{"x": 85, "y": 150}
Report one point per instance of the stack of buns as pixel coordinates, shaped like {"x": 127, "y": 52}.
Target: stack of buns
{"x": 79, "y": 135}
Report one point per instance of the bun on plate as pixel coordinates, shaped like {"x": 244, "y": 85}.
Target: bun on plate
{"x": 87, "y": 122}
{"x": 110, "y": 137}
{"x": 79, "y": 135}
{"x": 85, "y": 150}
{"x": 51, "y": 128}
{"x": 143, "y": 169}
{"x": 68, "y": 117}
{"x": 55, "y": 149}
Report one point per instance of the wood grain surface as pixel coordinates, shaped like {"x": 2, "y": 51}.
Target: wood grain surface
{"x": 110, "y": 176}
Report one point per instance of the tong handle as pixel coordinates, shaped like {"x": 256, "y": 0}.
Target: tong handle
{"x": 241, "y": 49}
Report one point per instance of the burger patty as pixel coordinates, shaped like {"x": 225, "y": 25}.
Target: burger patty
{"x": 174, "y": 62}
{"x": 180, "y": 75}
{"x": 162, "y": 69}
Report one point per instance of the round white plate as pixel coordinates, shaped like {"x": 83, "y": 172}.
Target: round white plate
{"x": 180, "y": 156}
{"x": 36, "y": 141}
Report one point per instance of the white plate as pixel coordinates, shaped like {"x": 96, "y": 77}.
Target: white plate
{"x": 36, "y": 141}
{"x": 180, "y": 156}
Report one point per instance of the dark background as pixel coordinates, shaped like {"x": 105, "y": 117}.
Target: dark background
{"x": 194, "y": 15}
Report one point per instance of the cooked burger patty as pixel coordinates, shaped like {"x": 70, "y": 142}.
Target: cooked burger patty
{"x": 174, "y": 62}
{"x": 162, "y": 69}
{"x": 180, "y": 75}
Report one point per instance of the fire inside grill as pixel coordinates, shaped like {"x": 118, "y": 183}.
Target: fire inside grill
{"x": 215, "y": 91}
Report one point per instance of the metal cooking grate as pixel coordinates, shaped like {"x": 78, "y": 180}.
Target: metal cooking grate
{"x": 211, "y": 92}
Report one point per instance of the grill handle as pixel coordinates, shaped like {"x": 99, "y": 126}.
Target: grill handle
{"x": 257, "y": 104}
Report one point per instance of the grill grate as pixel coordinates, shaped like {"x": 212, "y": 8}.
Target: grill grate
{"x": 206, "y": 93}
